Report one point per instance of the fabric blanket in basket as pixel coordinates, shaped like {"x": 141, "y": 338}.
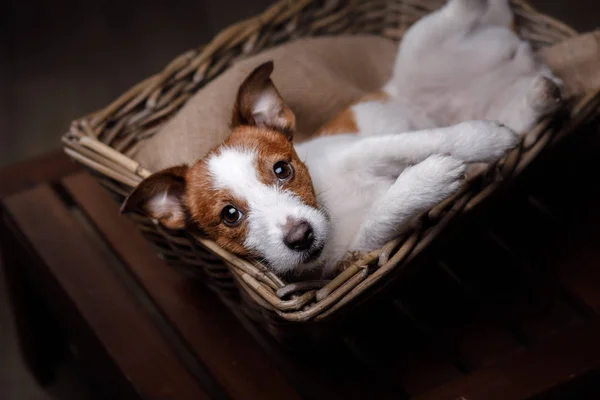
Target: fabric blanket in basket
{"x": 317, "y": 77}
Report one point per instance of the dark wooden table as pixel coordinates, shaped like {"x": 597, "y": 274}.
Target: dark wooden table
{"x": 509, "y": 309}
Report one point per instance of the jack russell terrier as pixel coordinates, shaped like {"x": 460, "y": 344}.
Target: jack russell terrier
{"x": 374, "y": 168}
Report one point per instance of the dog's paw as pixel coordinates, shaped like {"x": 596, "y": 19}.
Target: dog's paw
{"x": 501, "y": 139}
{"x": 484, "y": 141}
{"x": 439, "y": 176}
{"x": 545, "y": 94}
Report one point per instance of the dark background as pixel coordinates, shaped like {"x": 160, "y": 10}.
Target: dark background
{"x": 62, "y": 59}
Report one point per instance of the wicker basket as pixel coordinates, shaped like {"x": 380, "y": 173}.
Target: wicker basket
{"x": 103, "y": 140}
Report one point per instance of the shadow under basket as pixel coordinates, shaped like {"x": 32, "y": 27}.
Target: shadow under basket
{"x": 104, "y": 140}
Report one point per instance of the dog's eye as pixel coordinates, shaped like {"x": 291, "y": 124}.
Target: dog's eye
{"x": 283, "y": 170}
{"x": 231, "y": 216}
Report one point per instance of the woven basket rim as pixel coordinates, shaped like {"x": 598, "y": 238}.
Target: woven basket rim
{"x": 298, "y": 302}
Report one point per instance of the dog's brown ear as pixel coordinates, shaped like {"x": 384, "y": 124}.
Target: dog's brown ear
{"x": 259, "y": 103}
{"x": 160, "y": 196}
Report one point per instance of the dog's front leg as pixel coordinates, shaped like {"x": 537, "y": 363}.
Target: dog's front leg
{"x": 416, "y": 190}
{"x": 472, "y": 141}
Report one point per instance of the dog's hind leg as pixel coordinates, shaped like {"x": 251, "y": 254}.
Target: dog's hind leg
{"x": 466, "y": 13}
{"x": 415, "y": 191}
{"x": 455, "y": 18}
{"x": 535, "y": 98}
{"x": 436, "y": 37}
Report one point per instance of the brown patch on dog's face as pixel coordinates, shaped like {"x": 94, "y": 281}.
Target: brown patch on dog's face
{"x": 261, "y": 122}
{"x": 345, "y": 122}
{"x": 272, "y": 147}
{"x": 205, "y": 204}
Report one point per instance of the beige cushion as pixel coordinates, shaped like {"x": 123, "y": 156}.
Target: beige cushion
{"x": 317, "y": 78}
{"x": 577, "y": 62}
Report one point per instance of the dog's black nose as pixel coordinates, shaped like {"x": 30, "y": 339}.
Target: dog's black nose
{"x": 300, "y": 236}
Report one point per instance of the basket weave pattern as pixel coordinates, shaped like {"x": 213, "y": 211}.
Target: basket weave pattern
{"x": 104, "y": 141}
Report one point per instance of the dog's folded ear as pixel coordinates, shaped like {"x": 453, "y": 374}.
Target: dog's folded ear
{"x": 160, "y": 196}
{"x": 259, "y": 103}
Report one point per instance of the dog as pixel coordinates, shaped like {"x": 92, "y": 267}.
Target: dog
{"x": 464, "y": 86}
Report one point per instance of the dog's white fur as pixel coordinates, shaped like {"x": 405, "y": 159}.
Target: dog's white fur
{"x": 234, "y": 169}
{"x": 461, "y": 63}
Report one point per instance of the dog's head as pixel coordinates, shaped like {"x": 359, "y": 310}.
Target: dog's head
{"x": 251, "y": 194}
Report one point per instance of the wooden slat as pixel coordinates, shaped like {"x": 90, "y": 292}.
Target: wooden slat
{"x": 400, "y": 352}
{"x": 26, "y": 174}
{"x": 539, "y": 307}
{"x": 563, "y": 252}
{"x": 423, "y": 369}
{"x": 342, "y": 373}
{"x": 575, "y": 264}
{"x": 504, "y": 288}
{"x": 328, "y": 368}
{"x": 447, "y": 315}
{"x": 528, "y": 373}
{"x": 233, "y": 357}
{"x": 86, "y": 276}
